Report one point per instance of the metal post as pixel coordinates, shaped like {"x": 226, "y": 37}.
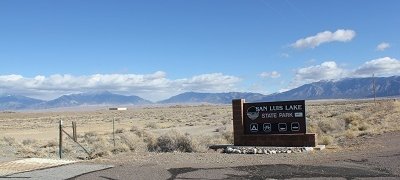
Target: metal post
{"x": 74, "y": 134}
{"x": 115, "y": 109}
{"x": 60, "y": 143}
{"x": 114, "y": 131}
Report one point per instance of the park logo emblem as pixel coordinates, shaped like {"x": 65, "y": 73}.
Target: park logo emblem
{"x": 252, "y": 113}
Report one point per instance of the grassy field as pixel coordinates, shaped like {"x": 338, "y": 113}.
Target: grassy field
{"x": 177, "y": 128}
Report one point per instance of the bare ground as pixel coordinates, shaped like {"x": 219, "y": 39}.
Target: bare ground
{"x": 375, "y": 157}
{"x": 362, "y": 137}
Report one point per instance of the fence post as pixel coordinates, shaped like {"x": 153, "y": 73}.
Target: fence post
{"x": 60, "y": 143}
{"x": 75, "y": 137}
{"x": 114, "y": 131}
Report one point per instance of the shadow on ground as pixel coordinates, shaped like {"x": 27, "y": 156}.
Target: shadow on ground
{"x": 278, "y": 171}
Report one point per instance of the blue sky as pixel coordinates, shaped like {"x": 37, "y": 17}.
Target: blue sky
{"x": 156, "y": 49}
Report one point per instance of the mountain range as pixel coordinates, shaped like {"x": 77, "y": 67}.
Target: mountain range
{"x": 350, "y": 88}
{"x": 214, "y": 98}
{"x": 12, "y": 102}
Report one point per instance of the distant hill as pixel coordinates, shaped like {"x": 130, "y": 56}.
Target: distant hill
{"x": 94, "y": 98}
{"x": 350, "y": 88}
{"x": 14, "y": 102}
{"x": 214, "y": 98}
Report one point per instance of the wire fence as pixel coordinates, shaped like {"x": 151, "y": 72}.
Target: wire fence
{"x": 71, "y": 148}
{"x": 76, "y": 145}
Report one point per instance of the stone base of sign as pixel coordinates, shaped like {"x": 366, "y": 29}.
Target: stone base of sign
{"x": 277, "y": 140}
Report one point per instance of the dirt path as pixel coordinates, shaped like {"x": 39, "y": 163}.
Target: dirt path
{"x": 374, "y": 157}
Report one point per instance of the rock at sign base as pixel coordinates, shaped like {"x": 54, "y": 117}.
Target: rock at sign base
{"x": 254, "y": 151}
{"x": 265, "y": 151}
{"x": 260, "y": 151}
{"x": 229, "y": 150}
{"x": 308, "y": 149}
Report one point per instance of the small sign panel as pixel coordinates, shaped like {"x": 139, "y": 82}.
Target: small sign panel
{"x": 281, "y": 117}
{"x": 295, "y": 126}
{"x": 282, "y": 127}
{"x": 254, "y": 127}
{"x": 267, "y": 127}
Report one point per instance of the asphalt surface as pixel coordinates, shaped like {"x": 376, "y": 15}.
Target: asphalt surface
{"x": 59, "y": 173}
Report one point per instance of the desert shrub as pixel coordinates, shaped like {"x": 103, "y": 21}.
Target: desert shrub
{"x": 220, "y": 129}
{"x": 352, "y": 119}
{"x": 90, "y": 134}
{"x": 132, "y": 142}
{"x": 333, "y": 114}
{"x": 91, "y": 137}
{"x": 10, "y": 140}
{"x": 151, "y": 142}
{"x": 51, "y": 143}
{"x": 100, "y": 148}
{"x": 120, "y": 148}
{"x": 226, "y": 121}
{"x": 351, "y": 134}
{"x": 228, "y": 136}
{"x": 120, "y": 130}
{"x": 312, "y": 127}
{"x": 326, "y": 140}
{"x": 165, "y": 144}
{"x": 395, "y": 105}
{"x": 202, "y": 143}
{"x": 185, "y": 144}
{"x": 26, "y": 142}
{"x": 28, "y": 152}
{"x": 363, "y": 127}
{"x": 134, "y": 128}
{"x": 139, "y": 132}
{"x": 330, "y": 126}
{"x": 174, "y": 141}
{"x": 152, "y": 125}
{"x": 326, "y": 126}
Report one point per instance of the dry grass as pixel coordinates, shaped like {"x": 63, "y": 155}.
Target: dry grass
{"x": 177, "y": 128}
{"x": 352, "y": 119}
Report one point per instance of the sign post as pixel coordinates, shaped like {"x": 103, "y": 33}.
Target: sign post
{"x": 60, "y": 138}
{"x": 281, "y": 123}
{"x": 113, "y": 121}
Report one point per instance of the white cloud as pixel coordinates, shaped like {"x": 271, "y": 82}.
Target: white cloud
{"x": 325, "y": 71}
{"x": 329, "y": 70}
{"x": 382, "y": 66}
{"x": 273, "y": 74}
{"x": 340, "y": 35}
{"x": 151, "y": 86}
{"x": 382, "y": 46}
{"x": 215, "y": 82}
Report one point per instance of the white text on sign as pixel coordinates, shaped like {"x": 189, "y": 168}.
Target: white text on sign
{"x": 280, "y": 108}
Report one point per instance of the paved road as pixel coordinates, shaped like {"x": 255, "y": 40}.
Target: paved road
{"x": 342, "y": 170}
{"x": 59, "y": 173}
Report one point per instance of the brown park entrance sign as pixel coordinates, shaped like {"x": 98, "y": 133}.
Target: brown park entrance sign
{"x": 280, "y": 123}
{"x": 283, "y": 117}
